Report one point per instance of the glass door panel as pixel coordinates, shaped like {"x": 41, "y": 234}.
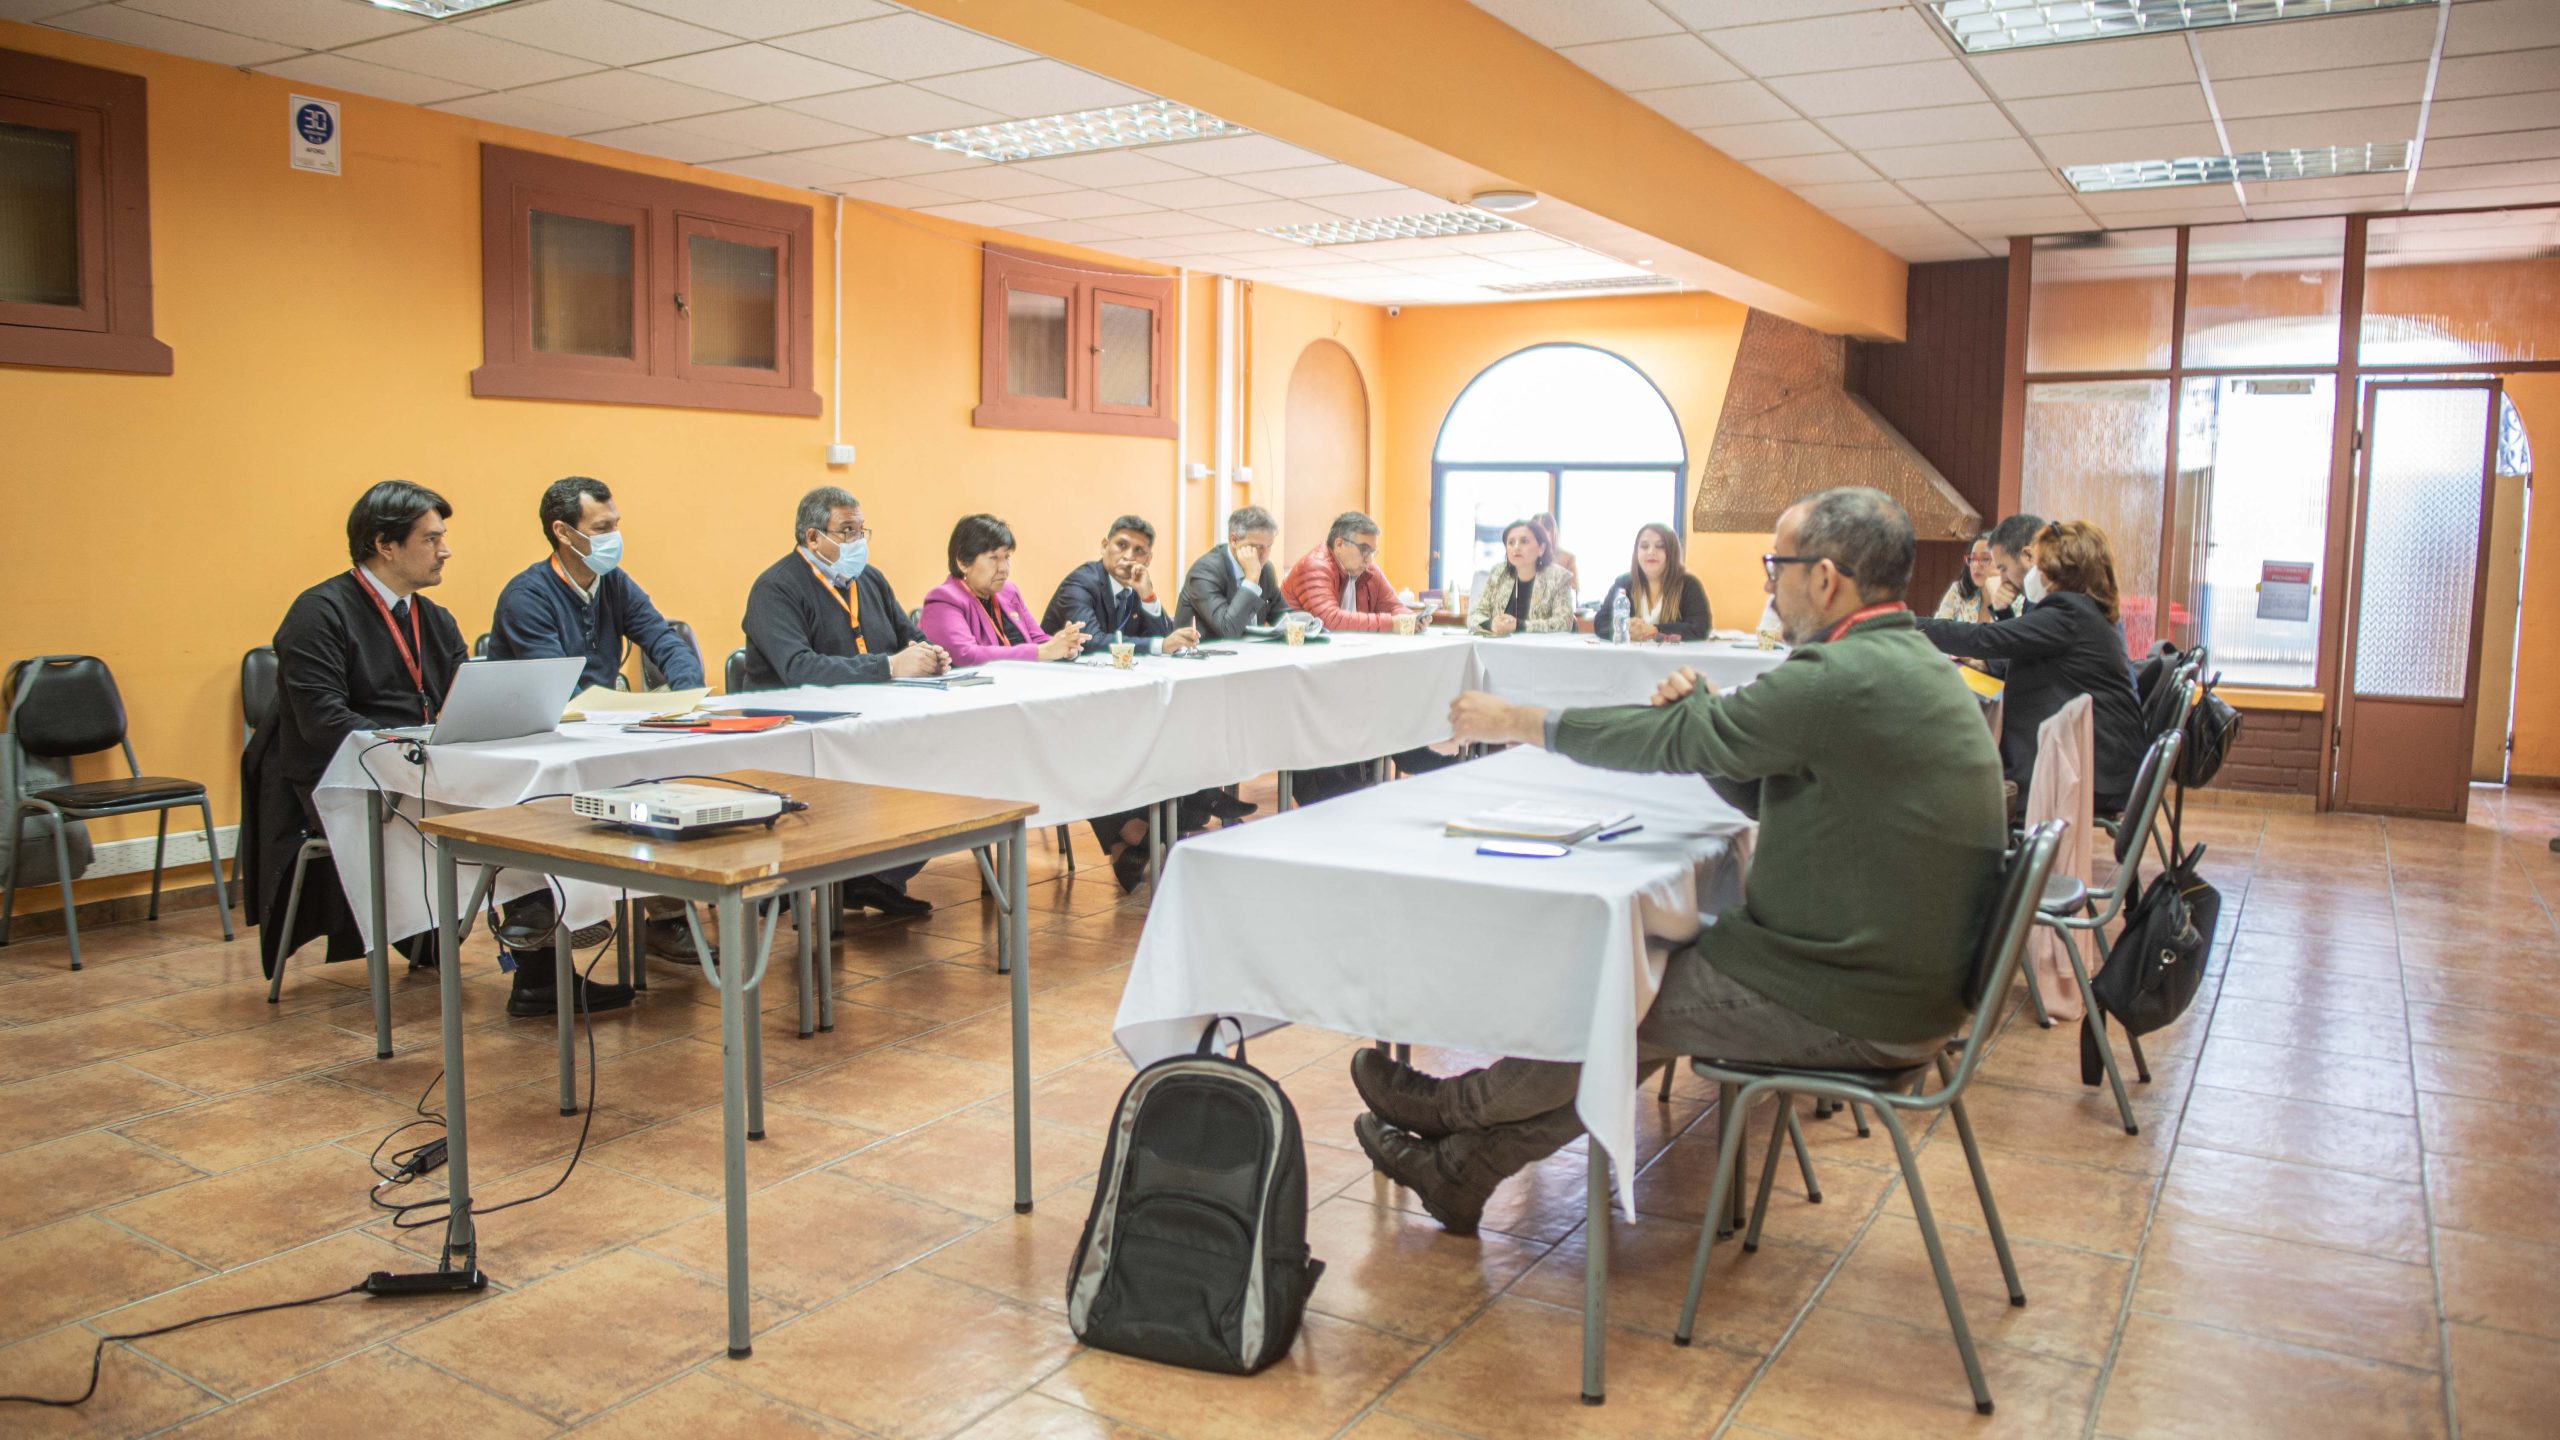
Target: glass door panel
{"x": 1475, "y": 505}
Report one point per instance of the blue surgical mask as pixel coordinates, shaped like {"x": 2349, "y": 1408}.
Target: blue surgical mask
{"x": 851, "y": 560}
{"x": 604, "y": 553}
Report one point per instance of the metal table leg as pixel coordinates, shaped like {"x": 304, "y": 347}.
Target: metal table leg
{"x": 564, "y": 971}
{"x": 622, "y": 912}
{"x": 378, "y": 961}
{"x": 1283, "y": 802}
{"x": 826, "y": 908}
{"x": 1595, "y": 1276}
{"x": 1017, "y": 926}
{"x": 459, "y": 1242}
{"x": 734, "y": 1020}
{"x": 804, "y": 922}
{"x": 1155, "y": 848}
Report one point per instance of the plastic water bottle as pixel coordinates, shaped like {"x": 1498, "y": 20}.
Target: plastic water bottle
{"x": 1618, "y": 619}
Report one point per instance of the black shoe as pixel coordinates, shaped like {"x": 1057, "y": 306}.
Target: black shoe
{"x": 591, "y": 936}
{"x": 670, "y": 939}
{"x": 873, "y": 893}
{"x": 1129, "y": 867}
{"x": 528, "y": 1001}
{"x": 1415, "y": 1164}
{"x": 1229, "y": 809}
{"x": 1399, "y": 1094}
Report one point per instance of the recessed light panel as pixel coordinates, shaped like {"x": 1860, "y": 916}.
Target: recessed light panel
{"x": 1550, "y": 287}
{"x": 1119, "y": 127}
{"x": 1993, "y": 25}
{"x": 1393, "y": 227}
{"x": 439, "y": 9}
{"x": 2256, "y": 165}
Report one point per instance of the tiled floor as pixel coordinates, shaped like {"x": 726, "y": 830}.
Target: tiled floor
{"x": 2342, "y": 1217}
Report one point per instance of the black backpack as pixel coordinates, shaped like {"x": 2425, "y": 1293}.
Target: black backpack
{"x": 2211, "y": 730}
{"x": 1196, "y": 1251}
{"x": 2156, "y": 966}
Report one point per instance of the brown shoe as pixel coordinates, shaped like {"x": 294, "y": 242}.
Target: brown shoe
{"x": 1415, "y": 1165}
{"x": 1399, "y": 1094}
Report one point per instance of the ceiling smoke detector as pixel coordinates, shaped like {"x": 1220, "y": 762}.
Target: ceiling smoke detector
{"x": 1503, "y": 202}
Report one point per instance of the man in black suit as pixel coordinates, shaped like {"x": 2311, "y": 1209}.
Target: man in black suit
{"x": 1116, "y": 596}
{"x": 1234, "y": 585}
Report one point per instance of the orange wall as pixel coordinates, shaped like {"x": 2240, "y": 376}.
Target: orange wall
{"x": 2537, "y": 716}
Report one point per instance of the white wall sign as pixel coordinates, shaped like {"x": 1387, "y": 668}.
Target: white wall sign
{"x": 314, "y": 144}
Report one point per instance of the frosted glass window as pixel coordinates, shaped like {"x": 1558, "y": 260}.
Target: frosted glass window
{"x": 2265, "y": 293}
{"x": 1035, "y": 328}
{"x": 1561, "y": 403}
{"x": 731, "y": 306}
{"x": 39, "y": 216}
{"x": 2455, "y": 289}
{"x": 1476, "y": 506}
{"x": 2253, "y": 461}
{"x": 1597, "y": 515}
{"x": 2421, "y": 541}
{"x": 2101, "y": 301}
{"x": 1126, "y": 367}
{"x": 581, "y": 273}
{"x": 2096, "y": 451}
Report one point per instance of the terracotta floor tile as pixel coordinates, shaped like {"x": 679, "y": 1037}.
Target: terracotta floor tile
{"x": 966, "y": 1163}
{"x": 2462, "y": 1028}
{"x": 2286, "y": 951}
{"x": 492, "y": 1060}
{"x": 53, "y": 1045}
{"x": 2083, "y": 1129}
{"x": 1056, "y": 1041}
{"x": 1676, "y": 1187}
{"x": 2498, "y": 1283}
{"x": 218, "y": 1135}
{"x": 892, "y": 1090}
{"x": 2308, "y": 1027}
{"x": 1081, "y": 1097}
{"x": 220, "y": 1064}
{"x": 1332, "y": 1373}
{"x": 2491, "y": 1130}
{"x": 261, "y": 1210}
{"x": 78, "y": 1268}
{"x": 135, "y": 1397}
{"x": 1851, "y": 1377}
{"x": 2484, "y": 1074}
{"x": 2177, "y": 1380}
{"x": 687, "y": 1154}
{"x": 703, "y": 1406}
{"x": 70, "y": 1101}
{"x": 1749, "y": 1300}
{"x": 51, "y": 997}
{"x": 860, "y": 1029}
{"x": 102, "y": 946}
{"x": 2353, "y": 1081}
{"x": 2303, "y": 1294}
{"x": 2100, "y": 1210}
{"x": 2365, "y": 994}
{"x": 2335, "y": 1208}
{"x": 2073, "y": 1296}
{"x": 889, "y": 949}
{"x": 816, "y": 1237}
{"x": 2457, "y": 950}
{"x": 2503, "y": 1385}
{"x": 2492, "y": 1199}
{"x": 665, "y": 1318}
{"x": 1121, "y": 925}
{"x": 1401, "y": 1273}
{"x": 2302, "y": 1132}
{"x": 597, "y": 1211}
{"x": 2518, "y": 994}
{"x": 62, "y": 1178}
{"x": 1021, "y": 1257}
{"x": 353, "y": 1396}
{"x": 909, "y": 1356}
{"x": 1291, "y": 1048}
{"x": 1037, "y": 1417}
{"x": 521, "y": 1127}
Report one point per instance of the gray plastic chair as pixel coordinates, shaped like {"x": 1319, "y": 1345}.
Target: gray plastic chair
{"x": 1892, "y": 1093}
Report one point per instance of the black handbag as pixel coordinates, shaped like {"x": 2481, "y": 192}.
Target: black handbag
{"x": 2156, "y": 966}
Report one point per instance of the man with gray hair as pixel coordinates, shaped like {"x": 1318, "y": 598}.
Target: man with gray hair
{"x": 1877, "y": 789}
{"x": 1339, "y": 582}
{"x": 1234, "y": 585}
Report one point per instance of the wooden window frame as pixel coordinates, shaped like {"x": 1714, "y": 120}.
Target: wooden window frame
{"x": 111, "y": 328}
{"x": 1084, "y": 288}
{"x": 514, "y": 183}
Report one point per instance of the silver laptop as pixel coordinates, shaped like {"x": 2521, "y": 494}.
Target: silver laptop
{"x": 501, "y": 700}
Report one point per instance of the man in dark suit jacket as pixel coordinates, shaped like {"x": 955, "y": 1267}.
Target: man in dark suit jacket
{"x": 1116, "y": 596}
{"x": 1234, "y": 585}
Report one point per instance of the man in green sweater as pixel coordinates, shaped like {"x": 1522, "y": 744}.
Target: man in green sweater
{"x": 1877, "y": 789}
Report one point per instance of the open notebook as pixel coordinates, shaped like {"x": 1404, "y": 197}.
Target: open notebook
{"x": 1538, "y": 820}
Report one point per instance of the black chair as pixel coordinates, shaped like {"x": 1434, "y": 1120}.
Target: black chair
{"x": 733, "y": 675}
{"x": 67, "y": 705}
{"x": 651, "y": 677}
{"x": 257, "y": 707}
{"x": 480, "y": 647}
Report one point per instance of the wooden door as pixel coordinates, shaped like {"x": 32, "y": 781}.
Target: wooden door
{"x": 1325, "y": 459}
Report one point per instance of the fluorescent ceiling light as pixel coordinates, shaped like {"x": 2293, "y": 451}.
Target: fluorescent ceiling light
{"x": 1149, "y": 122}
{"x": 1984, "y": 25}
{"x": 1549, "y": 287}
{"x": 1393, "y": 227}
{"x": 2313, "y": 164}
{"x": 438, "y": 9}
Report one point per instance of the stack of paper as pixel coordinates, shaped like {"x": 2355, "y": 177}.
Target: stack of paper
{"x": 599, "y": 700}
{"x": 1539, "y": 820}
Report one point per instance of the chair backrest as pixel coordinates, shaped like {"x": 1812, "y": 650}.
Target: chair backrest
{"x": 257, "y": 690}
{"x": 2004, "y": 939}
{"x": 480, "y": 647}
{"x": 733, "y": 675}
{"x": 2150, "y": 787}
{"x": 66, "y": 705}
{"x": 651, "y": 677}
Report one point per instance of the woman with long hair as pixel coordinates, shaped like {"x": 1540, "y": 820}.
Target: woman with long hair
{"x": 1528, "y": 592}
{"x": 1664, "y": 601}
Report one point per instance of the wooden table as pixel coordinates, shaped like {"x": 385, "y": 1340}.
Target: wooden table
{"x": 848, "y": 831}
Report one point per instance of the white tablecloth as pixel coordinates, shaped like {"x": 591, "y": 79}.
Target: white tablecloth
{"x": 1560, "y": 671}
{"x": 1361, "y": 916}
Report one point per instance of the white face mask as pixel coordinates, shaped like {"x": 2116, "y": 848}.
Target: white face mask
{"x": 2033, "y": 586}
{"x": 604, "y": 553}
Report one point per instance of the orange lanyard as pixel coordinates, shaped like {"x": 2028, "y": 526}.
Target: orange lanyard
{"x": 997, "y": 616}
{"x": 408, "y": 650}
{"x": 851, "y": 600}
{"x": 1862, "y": 617}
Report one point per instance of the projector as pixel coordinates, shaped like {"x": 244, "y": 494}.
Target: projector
{"x": 677, "y": 812}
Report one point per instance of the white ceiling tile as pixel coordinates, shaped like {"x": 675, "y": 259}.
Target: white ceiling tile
{"x": 1933, "y": 254}
{"x": 904, "y": 194}
{"x": 1505, "y": 243}
{"x": 1892, "y": 36}
{"x": 2045, "y": 210}
{"x": 1109, "y": 168}
{"x": 526, "y": 113}
{"x": 1865, "y": 217}
{"x": 758, "y": 72}
{"x": 895, "y": 110}
{"x": 2324, "y": 127}
{"x": 2490, "y": 114}
{"x": 597, "y": 30}
{"x": 301, "y": 23}
{"x": 1891, "y": 236}
{"x": 2109, "y": 147}
{"x": 1881, "y": 87}
{"x": 1579, "y": 22}
{"x": 789, "y": 170}
{"x": 1380, "y": 204}
{"x": 1795, "y": 170}
{"x": 2115, "y": 206}
{"x": 2492, "y": 149}
{"x": 2487, "y": 27}
{"x": 631, "y": 94}
{"x": 2432, "y": 176}
{"x": 1151, "y": 249}
{"x": 2195, "y": 211}
{"x": 1199, "y": 190}
{"x": 176, "y": 37}
{"x": 2461, "y": 77}
{"x": 1768, "y": 141}
{"x": 467, "y": 58}
{"x": 2396, "y": 84}
{"x": 2509, "y": 195}
{"x": 1236, "y": 155}
{"x": 337, "y": 72}
{"x": 1990, "y": 186}
{"x": 889, "y": 159}
{"x": 1569, "y": 257}
{"x": 1457, "y": 267}
{"x": 2115, "y": 109}
{"x": 1977, "y": 157}
{"x": 770, "y": 127}
{"x": 1721, "y": 14}
{"x": 30, "y": 11}
{"x": 1312, "y": 180}
{"x": 1846, "y": 193}
{"x": 998, "y": 182}
{"x": 1943, "y": 125}
{"x": 1086, "y": 205}
{"x": 764, "y": 19}
{"x": 1739, "y": 102}
{"x": 1266, "y": 214}
{"x": 1155, "y": 224}
{"x": 1034, "y": 88}
{"x": 1067, "y": 232}
{"x": 2312, "y": 209}
{"x": 2336, "y": 42}
{"x": 2088, "y": 66}
{"x": 984, "y": 212}
{"x": 2334, "y": 187}
{"x": 906, "y": 47}
{"x": 668, "y": 143}
{"x": 1653, "y": 63}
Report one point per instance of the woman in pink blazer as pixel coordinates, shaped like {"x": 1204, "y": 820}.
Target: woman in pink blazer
{"x": 977, "y": 615}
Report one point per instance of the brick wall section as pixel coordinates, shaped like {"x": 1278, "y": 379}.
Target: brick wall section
{"x": 2279, "y": 754}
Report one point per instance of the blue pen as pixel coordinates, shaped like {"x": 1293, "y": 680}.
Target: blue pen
{"x": 1614, "y": 834}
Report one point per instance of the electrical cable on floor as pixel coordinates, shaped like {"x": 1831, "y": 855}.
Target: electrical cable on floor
{"x": 98, "y": 1356}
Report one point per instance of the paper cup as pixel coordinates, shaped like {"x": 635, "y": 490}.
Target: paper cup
{"x": 1123, "y": 654}
{"x": 1296, "y": 630}
{"x": 1404, "y": 623}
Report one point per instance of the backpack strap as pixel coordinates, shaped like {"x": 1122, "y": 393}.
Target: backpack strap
{"x": 1209, "y": 1037}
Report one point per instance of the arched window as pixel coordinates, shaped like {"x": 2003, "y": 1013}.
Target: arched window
{"x": 1567, "y": 429}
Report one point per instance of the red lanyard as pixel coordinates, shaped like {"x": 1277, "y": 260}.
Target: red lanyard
{"x": 851, "y": 600}
{"x": 997, "y": 616}
{"x": 409, "y": 647}
{"x": 1861, "y": 617}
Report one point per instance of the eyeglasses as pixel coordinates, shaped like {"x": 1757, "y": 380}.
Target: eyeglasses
{"x": 1770, "y": 564}
{"x": 1367, "y": 552}
{"x": 851, "y": 533}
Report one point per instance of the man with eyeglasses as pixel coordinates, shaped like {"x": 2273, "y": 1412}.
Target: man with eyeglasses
{"x": 1339, "y": 581}
{"x": 1877, "y": 791}
{"x": 824, "y": 615}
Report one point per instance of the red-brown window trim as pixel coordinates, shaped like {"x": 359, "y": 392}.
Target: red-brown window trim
{"x": 999, "y": 408}
{"x": 112, "y": 329}
{"x": 515, "y": 182}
